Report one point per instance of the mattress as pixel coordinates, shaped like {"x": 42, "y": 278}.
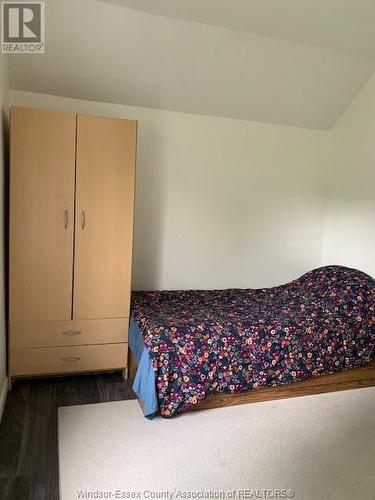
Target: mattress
{"x": 193, "y": 343}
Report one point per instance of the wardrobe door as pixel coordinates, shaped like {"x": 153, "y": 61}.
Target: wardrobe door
{"x": 42, "y": 153}
{"x": 106, "y": 149}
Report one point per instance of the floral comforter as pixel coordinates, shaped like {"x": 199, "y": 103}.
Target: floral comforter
{"x": 228, "y": 341}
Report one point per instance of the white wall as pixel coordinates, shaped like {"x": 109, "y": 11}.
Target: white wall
{"x": 349, "y": 230}
{"x": 4, "y": 91}
{"x": 219, "y": 202}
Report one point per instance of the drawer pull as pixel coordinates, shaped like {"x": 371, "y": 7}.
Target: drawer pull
{"x": 71, "y": 359}
{"x": 71, "y": 333}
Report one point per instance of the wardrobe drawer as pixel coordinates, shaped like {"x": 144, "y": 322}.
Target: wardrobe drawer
{"x": 66, "y": 333}
{"x": 59, "y": 360}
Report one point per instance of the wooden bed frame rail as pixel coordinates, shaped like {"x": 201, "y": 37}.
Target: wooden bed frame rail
{"x": 341, "y": 381}
{"x": 355, "y": 378}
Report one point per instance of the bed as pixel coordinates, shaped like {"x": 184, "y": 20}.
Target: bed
{"x": 199, "y": 348}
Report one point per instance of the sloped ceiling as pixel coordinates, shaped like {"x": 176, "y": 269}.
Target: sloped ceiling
{"x": 293, "y": 62}
{"x": 340, "y": 24}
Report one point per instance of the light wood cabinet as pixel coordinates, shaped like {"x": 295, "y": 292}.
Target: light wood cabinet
{"x": 71, "y": 231}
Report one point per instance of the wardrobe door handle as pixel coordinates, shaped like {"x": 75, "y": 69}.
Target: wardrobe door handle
{"x": 83, "y": 219}
{"x": 66, "y": 219}
{"x": 71, "y": 333}
{"x": 71, "y": 359}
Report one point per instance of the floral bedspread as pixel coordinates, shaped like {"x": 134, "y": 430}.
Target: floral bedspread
{"x": 228, "y": 341}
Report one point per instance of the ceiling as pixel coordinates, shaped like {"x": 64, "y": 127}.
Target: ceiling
{"x": 340, "y": 24}
{"x": 292, "y": 62}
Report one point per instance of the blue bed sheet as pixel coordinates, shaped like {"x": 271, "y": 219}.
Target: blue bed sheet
{"x": 144, "y": 383}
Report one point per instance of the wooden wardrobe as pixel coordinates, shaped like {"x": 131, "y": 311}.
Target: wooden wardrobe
{"x": 71, "y": 231}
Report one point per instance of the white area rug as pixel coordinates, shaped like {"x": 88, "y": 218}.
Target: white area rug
{"x": 321, "y": 447}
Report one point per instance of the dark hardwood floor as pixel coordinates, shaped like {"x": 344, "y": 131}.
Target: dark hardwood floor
{"x": 28, "y": 431}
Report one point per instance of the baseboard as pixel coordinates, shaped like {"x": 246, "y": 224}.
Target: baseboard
{"x": 3, "y": 396}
